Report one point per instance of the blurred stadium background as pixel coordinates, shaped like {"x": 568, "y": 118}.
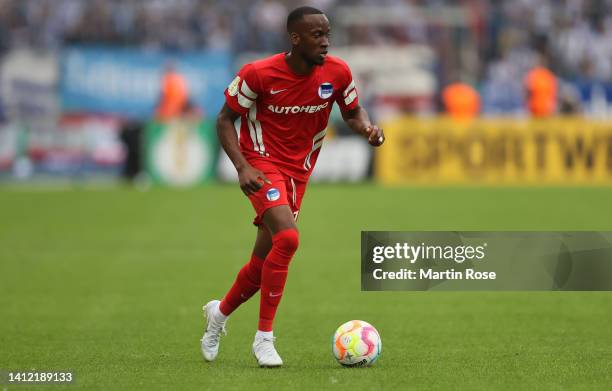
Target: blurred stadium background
{"x": 497, "y": 115}
{"x": 97, "y": 90}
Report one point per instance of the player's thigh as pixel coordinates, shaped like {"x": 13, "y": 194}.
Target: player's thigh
{"x": 269, "y": 195}
{"x": 279, "y": 218}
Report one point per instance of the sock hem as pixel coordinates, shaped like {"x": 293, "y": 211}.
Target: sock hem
{"x": 219, "y": 315}
{"x": 264, "y": 334}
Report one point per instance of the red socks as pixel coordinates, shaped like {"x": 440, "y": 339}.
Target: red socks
{"x": 246, "y": 285}
{"x": 270, "y": 274}
{"x": 274, "y": 275}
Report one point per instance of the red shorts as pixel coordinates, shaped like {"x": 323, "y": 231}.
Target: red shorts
{"x": 283, "y": 190}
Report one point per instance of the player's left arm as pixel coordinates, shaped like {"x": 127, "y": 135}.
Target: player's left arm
{"x": 359, "y": 121}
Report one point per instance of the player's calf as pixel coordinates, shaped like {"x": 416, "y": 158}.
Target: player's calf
{"x": 274, "y": 275}
{"x": 245, "y": 286}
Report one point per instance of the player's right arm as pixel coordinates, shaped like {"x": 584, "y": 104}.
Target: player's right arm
{"x": 240, "y": 96}
{"x": 250, "y": 178}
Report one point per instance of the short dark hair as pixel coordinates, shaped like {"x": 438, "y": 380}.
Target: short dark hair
{"x": 298, "y": 14}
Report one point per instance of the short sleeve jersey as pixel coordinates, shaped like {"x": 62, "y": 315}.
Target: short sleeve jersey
{"x": 284, "y": 115}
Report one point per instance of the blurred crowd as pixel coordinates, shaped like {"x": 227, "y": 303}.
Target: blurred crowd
{"x": 488, "y": 43}
{"x": 572, "y": 38}
{"x": 177, "y": 24}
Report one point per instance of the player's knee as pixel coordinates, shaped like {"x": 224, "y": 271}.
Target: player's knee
{"x": 287, "y": 241}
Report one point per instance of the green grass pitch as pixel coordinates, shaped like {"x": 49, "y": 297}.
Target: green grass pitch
{"x": 110, "y": 282}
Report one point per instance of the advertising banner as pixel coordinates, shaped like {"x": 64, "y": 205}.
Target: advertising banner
{"x": 557, "y": 151}
{"x": 127, "y": 81}
{"x": 9, "y": 147}
{"x": 181, "y": 152}
{"x": 77, "y": 146}
{"x": 28, "y": 87}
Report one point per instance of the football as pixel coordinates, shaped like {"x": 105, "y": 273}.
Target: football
{"x": 356, "y": 344}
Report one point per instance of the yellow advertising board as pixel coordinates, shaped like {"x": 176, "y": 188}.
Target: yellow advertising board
{"x": 560, "y": 151}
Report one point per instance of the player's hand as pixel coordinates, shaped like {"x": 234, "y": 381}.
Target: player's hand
{"x": 375, "y": 135}
{"x": 251, "y": 180}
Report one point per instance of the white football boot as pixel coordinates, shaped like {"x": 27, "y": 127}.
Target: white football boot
{"x": 214, "y": 328}
{"x": 265, "y": 353}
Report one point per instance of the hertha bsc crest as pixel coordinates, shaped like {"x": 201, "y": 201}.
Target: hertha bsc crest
{"x": 326, "y": 90}
{"x": 273, "y": 194}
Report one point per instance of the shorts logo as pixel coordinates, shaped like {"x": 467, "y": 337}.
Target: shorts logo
{"x": 273, "y": 194}
{"x": 326, "y": 90}
{"x": 232, "y": 89}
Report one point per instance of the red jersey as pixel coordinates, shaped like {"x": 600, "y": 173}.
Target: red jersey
{"x": 284, "y": 115}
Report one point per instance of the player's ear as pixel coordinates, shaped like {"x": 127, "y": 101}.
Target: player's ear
{"x": 294, "y": 38}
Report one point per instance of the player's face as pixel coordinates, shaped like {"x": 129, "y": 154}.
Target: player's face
{"x": 314, "y": 38}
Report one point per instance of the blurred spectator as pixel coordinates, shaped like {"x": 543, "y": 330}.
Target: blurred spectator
{"x": 541, "y": 88}
{"x": 501, "y": 94}
{"x": 569, "y": 99}
{"x": 461, "y": 101}
{"x": 174, "y": 96}
{"x": 131, "y": 138}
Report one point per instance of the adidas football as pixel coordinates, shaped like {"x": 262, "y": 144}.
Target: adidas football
{"x": 356, "y": 344}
